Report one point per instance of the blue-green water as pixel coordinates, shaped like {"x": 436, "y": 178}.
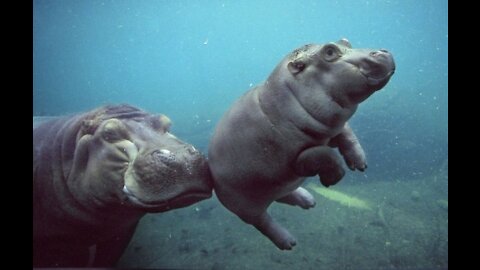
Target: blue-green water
{"x": 192, "y": 59}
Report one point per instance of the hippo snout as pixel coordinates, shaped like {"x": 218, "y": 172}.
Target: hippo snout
{"x": 166, "y": 157}
{"x": 378, "y": 66}
{"x": 161, "y": 163}
{"x": 379, "y": 52}
{"x": 151, "y": 166}
{"x": 384, "y": 57}
{"x": 162, "y": 179}
{"x": 163, "y": 156}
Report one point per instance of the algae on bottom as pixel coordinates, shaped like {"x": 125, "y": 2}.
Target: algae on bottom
{"x": 340, "y": 197}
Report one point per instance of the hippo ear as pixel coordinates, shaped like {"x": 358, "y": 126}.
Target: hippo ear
{"x": 296, "y": 66}
{"x": 345, "y": 43}
{"x": 161, "y": 123}
{"x": 166, "y": 122}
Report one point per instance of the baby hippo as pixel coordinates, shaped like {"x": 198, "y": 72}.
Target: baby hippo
{"x": 283, "y": 130}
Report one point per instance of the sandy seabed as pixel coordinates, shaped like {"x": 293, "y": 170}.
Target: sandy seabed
{"x": 406, "y": 228}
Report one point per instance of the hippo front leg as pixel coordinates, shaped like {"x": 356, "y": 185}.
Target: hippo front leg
{"x": 280, "y": 236}
{"x": 350, "y": 148}
{"x": 300, "y": 197}
{"x": 321, "y": 160}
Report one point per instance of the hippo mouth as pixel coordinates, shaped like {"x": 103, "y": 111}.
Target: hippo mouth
{"x": 182, "y": 200}
{"x": 372, "y": 80}
{"x": 377, "y": 68}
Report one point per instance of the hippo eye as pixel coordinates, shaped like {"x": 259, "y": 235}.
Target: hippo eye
{"x": 114, "y": 131}
{"x": 330, "y": 53}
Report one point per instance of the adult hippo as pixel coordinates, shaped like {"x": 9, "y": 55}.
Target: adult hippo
{"x": 282, "y": 131}
{"x": 96, "y": 174}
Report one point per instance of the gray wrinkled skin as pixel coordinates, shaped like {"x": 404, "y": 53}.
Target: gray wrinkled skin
{"x": 283, "y": 130}
{"x": 96, "y": 174}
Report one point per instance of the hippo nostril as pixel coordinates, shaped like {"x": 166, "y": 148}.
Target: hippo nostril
{"x": 192, "y": 150}
{"x": 380, "y": 52}
{"x": 165, "y": 151}
{"x": 163, "y": 155}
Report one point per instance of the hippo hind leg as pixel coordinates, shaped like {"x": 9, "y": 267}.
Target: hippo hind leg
{"x": 300, "y": 197}
{"x": 280, "y": 236}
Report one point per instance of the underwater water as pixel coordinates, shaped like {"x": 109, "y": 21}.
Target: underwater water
{"x": 192, "y": 59}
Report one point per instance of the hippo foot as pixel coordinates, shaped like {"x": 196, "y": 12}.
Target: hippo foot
{"x": 277, "y": 234}
{"x": 355, "y": 158}
{"x": 328, "y": 178}
{"x": 300, "y": 197}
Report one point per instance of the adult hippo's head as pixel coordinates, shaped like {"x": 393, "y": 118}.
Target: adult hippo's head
{"x": 335, "y": 69}
{"x": 126, "y": 155}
